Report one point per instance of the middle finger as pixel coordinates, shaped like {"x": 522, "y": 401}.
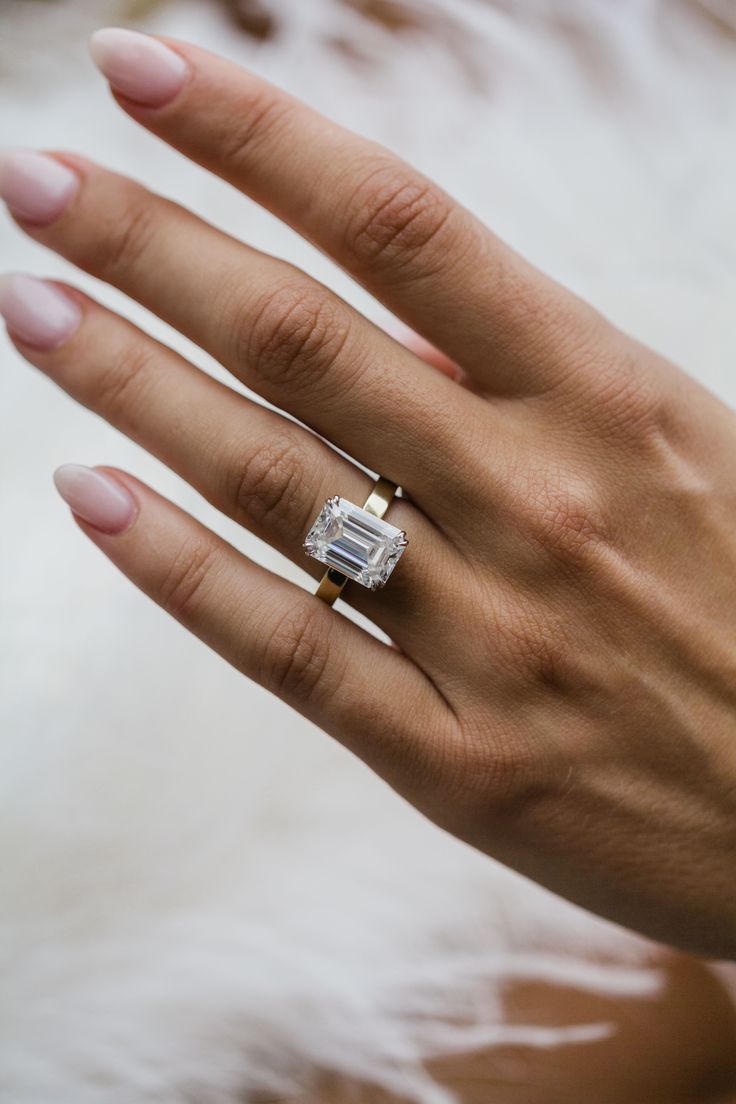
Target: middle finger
{"x": 282, "y": 333}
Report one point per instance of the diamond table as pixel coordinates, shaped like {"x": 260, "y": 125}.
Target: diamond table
{"x": 355, "y": 542}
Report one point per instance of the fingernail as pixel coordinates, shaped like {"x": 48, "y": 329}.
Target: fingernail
{"x": 37, "y": 312}
{"x": 96, "y": 498}
{"x": 138, "y": 66}
{"x": 35, "y": 187}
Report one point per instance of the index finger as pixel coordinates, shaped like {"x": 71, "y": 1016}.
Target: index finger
{"x": 426, "y": 257}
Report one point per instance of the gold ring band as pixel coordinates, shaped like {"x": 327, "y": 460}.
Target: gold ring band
{"x": 377, "y": 503}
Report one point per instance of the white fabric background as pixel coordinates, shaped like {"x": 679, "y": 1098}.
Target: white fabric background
{"x": 201, "y": 894}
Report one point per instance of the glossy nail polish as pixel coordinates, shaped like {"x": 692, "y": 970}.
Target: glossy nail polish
{"x": 37, "y": 312}
{"x": 138, "y": 66}
{"x": 96, "y": 497}
{"x": 36, "y": 188}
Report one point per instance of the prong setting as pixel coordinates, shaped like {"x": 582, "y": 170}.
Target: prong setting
{"x": 355, "y": 542}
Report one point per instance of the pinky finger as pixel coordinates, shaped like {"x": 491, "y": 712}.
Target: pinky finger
{"x": 306, "y": 653}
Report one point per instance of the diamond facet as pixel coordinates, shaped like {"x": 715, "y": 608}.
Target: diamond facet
{"x": 358, "y": 544}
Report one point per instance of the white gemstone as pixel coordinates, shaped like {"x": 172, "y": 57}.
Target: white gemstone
{"x": 355, "y": 543}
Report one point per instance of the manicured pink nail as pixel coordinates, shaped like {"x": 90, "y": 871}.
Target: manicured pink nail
{"x": 37, "y": 312}
{"x": 138, "y": 66}
{"x": 96, "y": 497}
{"x": 35, "y": 187}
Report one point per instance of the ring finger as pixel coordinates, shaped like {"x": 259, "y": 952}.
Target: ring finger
{"x": 263, "y": 470}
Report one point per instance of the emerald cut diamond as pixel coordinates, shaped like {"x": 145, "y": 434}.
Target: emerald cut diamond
{"x": 355, "y": 542}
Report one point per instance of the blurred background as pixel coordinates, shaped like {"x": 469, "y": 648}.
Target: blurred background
{"x": 202, "y": 896}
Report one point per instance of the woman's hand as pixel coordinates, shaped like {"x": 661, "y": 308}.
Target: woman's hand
{"x": 563, "y": 693}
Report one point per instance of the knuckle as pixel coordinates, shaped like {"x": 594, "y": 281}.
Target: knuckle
{"x": 560, "y": 331}
{"x": 296, "y": 656}
{"x": 118, "y": 387}
{"x": 436, "y": 767}
{"x": 131, "y": 237}
{"x": 562, "y": 516}
{"x": 295, "y": 335}
{"x": 189, "y": 573}
{"x": 527, "y": 646}
{"x": 250, "y": 126}
{"x": 267, "y": 492}
{"x": 627, "y": 402}
{"x": 394, "y": 216}
{"x": 540, "y": 654}
{"x": 503, "y": 772}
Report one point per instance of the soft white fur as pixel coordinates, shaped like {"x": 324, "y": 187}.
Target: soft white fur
{"x": 202, "y": 895}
